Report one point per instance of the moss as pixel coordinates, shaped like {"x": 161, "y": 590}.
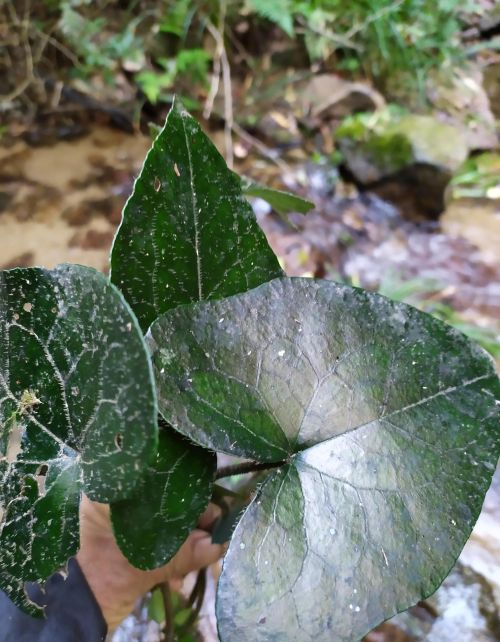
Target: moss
{"x": 355, "y": 127}
{"x": 390, "y": 151}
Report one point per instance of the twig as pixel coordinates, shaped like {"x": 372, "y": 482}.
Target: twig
{"x": 214, "y": 89}
{"x": 342, "y": 41}
{"x": 260, "y": 147}
{"x": 29, "y": 77}
{"x": 196, "y": 598}
{"x": 247, "y": 467}
{"x": 168, "y": 629}
{"x": 223, "y": 64}
{"x": 60, "y": 47}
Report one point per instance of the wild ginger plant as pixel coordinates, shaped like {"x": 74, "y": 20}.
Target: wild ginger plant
{"x": 376, "y": 425}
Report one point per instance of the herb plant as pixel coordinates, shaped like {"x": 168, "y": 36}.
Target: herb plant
{"x": 375, "y": 424}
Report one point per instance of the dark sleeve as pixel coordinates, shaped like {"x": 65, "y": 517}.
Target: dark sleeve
{"x": 71, "y": 612}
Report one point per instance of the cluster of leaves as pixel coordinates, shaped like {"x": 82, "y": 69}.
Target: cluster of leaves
{"x": 363, "y": 412}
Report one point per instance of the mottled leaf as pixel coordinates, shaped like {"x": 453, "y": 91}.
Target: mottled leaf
{"x": 77, "y": 412}
{"x": 386, "y": 426}
{"x": 187, "y": 232}
{"x": 151, "y": 524}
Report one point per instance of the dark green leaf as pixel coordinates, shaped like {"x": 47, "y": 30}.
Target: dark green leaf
{"x": 187, "y": 232}
{"x": 281, "y": 201}
{"x": 387, "y": 422}
{"x": 77, "y": 412}
{"x": 151, "y": 525}
{"x": 225, "y": 525}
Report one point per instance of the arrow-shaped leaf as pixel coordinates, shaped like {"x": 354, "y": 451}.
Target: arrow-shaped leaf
{"x": 187, "y": 232}
{"x": 77, "y": 412}
{"x": 383, "y": 425}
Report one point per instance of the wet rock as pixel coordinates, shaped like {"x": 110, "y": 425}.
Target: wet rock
{"x": 490, "y": 22}
{"x": 379, "y": 145}
{"x": 482, "y": 551}
{"x": 492, "y": 86}
{"x": 418, "y": 153}
{"x": 328, "y": 96}
{"x": 478, "y": 221}
{"x": 462, "y": 610}
{"x": 473, "y": 204}
{"x": 466, "y": 607}
{"x": 460, "y": 99}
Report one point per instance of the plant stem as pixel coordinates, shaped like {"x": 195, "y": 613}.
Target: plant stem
{"x": 247, "y": 467}
{"x": 168, "y": 630}
{"x": 195, "y": 600}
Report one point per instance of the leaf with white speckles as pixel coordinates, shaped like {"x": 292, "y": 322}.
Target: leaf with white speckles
{"x": 77, "y": 413}
{"x": 187, "y": 233}
{"x": 151, "y": 525}
{"x": 387, "y": 425}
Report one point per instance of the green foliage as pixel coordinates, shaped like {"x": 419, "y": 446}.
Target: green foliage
{"x": 360, "y": 414}
{"x": 279, "y": 11}
{"x": 183, "y": 615}
{"x": 477, "y": 178}
{"x": 190, "y": 63}
{"x": 162, "y": 42}
{"x": 382, "y": 37}
{"x": 97, "y": 52}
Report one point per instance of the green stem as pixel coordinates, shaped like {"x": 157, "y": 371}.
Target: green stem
{"x": 247, "y": 467}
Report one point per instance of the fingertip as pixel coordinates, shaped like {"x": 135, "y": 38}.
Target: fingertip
{"x": 212, "y": 513}
{"x": 205, "y": 552}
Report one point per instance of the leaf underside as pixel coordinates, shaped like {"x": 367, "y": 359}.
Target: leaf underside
{"x": 151, "y": 525}
{"x": 388, "y": 422}
{"x": 187, "y": 232}
{"x": 77, "y": 413}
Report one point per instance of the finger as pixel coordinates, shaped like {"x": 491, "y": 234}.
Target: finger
{"x": 197, "y": 552}
{"x": 94, "y": 515}
{"x": 208, "y": 518}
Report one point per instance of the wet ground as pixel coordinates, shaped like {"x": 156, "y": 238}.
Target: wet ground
{"x": 62, "y": 203}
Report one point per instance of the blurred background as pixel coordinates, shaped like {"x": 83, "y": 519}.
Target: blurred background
{"x": 384, "y": 113}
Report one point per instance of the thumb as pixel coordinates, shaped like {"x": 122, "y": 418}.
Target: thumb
{"x": 197, "y": 552}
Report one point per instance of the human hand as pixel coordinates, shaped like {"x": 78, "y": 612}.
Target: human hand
{"x": 115, "y": 583}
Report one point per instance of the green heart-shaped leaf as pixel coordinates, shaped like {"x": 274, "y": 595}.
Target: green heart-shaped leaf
{"x": 151, "y": 525}
{"x": 384, "y": 424}
{"x": 187, "y": 232}
{"x": 77, "y": 412}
